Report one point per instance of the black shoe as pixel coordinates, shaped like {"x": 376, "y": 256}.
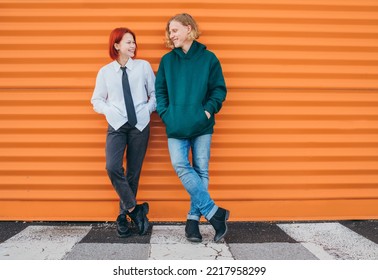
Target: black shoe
{"x": 218, "y": 221}
{"x": 192, "y": 232}
{"x": 139, "y": 217}
{"x": 122, "y": 227}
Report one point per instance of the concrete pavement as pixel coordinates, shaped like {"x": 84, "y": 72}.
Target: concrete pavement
{"x": 344, "y": 240}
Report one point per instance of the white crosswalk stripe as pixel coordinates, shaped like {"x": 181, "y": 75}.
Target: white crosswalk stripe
{"x": 332, "y": 241}
{"x": 42, "y": 242}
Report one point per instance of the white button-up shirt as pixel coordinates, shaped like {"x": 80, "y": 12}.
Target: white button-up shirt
{"x": 108, "y": 97}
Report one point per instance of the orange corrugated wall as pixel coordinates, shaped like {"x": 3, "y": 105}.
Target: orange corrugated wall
{"x": 297, "y": 138}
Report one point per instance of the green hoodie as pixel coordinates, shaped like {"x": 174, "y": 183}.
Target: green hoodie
{"x": 187, "y": 85}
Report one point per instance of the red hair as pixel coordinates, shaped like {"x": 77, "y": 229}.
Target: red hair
{"x": 115, "y": 37}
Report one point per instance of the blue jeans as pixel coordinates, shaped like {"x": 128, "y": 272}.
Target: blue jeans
{"x": 195, "y": 177}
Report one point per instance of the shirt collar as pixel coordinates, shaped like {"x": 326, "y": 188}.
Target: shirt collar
{"x": 129, "y": 65}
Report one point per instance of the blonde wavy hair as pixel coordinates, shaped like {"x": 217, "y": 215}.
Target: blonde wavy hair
{"x": 184, "y": 19}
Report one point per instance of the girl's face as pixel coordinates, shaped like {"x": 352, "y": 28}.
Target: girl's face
{"x": 126, "y": 46}
{"x": 178, "y": 34}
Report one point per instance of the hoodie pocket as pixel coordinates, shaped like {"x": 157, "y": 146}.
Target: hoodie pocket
{"x": 185, "y": 120}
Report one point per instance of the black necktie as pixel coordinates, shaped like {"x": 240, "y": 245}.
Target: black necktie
{"x": 132, "y": 120}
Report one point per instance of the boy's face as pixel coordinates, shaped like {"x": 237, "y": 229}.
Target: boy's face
{"x": 178, "y": 34}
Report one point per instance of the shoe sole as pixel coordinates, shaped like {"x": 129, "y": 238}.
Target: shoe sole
{"x": 193, "y": 239}
{"x": 124, "y": 235}
{"x": 225, "y": 232}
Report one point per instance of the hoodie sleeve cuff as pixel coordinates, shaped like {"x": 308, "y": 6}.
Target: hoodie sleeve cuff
{"x": 209, "y": 109}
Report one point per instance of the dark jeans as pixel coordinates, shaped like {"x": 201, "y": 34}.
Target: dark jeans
{"x": 135, "y": 143}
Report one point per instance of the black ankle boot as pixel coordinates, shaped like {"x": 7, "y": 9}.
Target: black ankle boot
{"x": 192, "y": 232}
{"x": 139, "y": 217}
{"x": 218, "y": 221}
{"x": 122, "y": 227}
